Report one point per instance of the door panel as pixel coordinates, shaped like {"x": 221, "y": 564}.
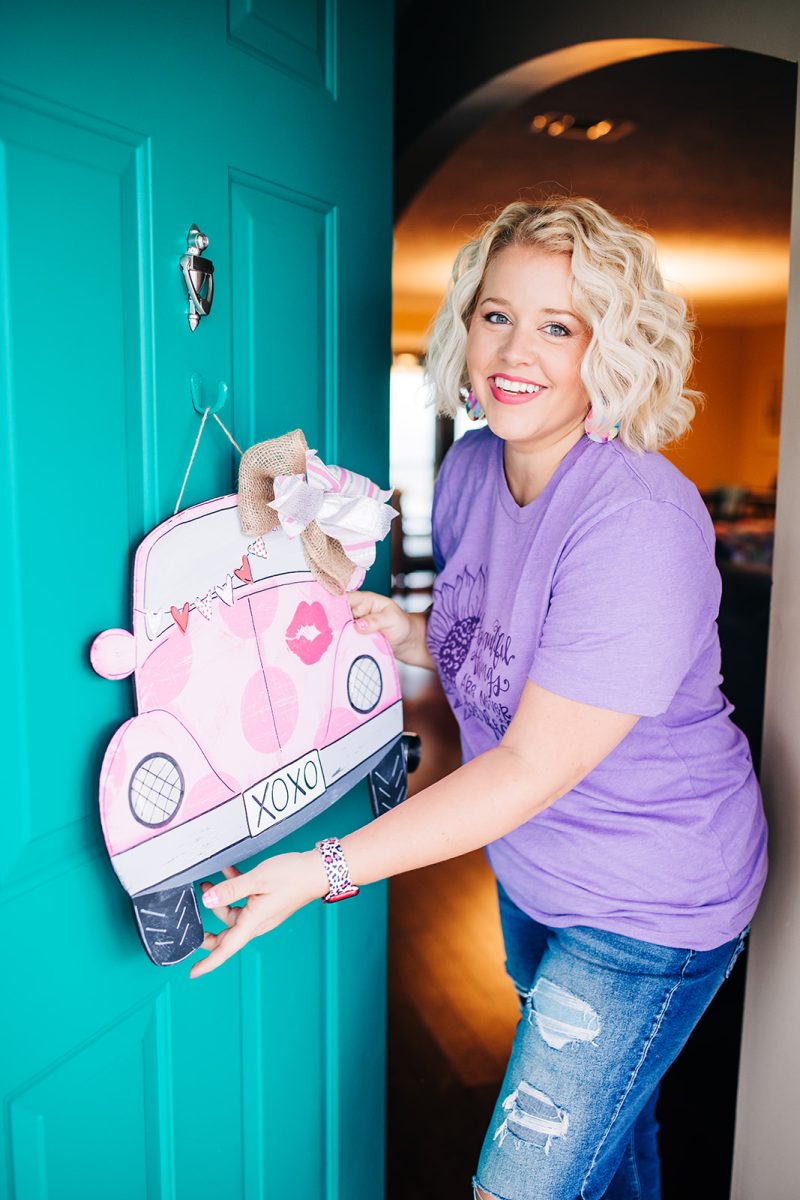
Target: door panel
{"x": 297, "y": 38}
{"x": 295, "y": 235}
{"x": 59, "y": 371}
{"x": 116, "y": 1071}
{"x": 267, "y": 124}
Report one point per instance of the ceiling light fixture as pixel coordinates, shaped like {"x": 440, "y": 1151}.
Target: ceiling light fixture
{"x": 560, "y": 124}
{"x": 581, "y": 129}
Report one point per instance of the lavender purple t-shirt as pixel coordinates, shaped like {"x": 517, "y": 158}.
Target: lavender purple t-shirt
{"x": 603, "y": 589}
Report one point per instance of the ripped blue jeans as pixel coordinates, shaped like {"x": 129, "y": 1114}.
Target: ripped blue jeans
{"x": 604, "y": 1016}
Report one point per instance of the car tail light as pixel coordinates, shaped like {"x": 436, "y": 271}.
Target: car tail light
{"x": 364, "y": 683}
{"x": 156, "y": 789}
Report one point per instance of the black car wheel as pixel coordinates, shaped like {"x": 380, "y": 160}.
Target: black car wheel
{"x": 388, "y": 781}
{"x": 169, "y": 924}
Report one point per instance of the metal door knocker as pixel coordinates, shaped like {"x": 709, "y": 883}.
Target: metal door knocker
{"x": 198, "y": 273}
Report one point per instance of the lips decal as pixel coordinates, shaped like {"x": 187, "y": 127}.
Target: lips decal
{"x": 309, "y": 635}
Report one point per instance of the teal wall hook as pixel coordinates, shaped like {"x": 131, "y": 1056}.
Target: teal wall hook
{"x": 200, "y": 405}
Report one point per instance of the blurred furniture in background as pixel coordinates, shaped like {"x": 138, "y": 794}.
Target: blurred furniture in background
{"x": 743, "y": 632}
{"x": 412, "y": 565}
{"x": 747, "y": 542}
{"x": 744, "y": 525}
{"x": 732, "y": 502}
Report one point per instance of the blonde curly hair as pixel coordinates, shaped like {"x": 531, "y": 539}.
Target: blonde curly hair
{"x": 637, "y": 362}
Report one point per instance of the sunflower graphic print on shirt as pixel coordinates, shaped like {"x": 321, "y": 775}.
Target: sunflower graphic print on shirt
{"x": 472, "y": 653}
{"x": 456, "y": 614}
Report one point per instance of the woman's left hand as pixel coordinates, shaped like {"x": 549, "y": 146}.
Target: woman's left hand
{"x": 274, "y": 890}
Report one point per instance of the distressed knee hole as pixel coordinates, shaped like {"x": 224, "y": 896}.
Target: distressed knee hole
{"x": 531, "y": 1116}
{"x": 560, "y": 1017}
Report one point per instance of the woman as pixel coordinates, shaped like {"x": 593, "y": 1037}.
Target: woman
{"x": 573, "y": 627}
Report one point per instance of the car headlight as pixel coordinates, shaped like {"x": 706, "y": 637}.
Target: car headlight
{"x": 364, "y": 683}
{"x": 156, "y": 789}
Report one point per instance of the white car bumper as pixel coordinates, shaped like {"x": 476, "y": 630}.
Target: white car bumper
{"x": 231, "y": 831}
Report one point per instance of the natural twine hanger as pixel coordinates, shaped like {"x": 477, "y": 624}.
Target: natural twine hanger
{"x": 228, "y": 435}
{"x": 325, "y": 556}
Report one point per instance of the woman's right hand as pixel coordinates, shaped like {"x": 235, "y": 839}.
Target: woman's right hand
{"x": 405, "y": 632}
{"x": 378, "y": 614}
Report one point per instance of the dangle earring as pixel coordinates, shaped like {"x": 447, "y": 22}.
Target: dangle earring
{"x": 588, "y": 425}
{"x": 472, "y": 405}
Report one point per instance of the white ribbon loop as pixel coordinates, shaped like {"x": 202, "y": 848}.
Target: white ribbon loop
{"x": 346, "y": 506}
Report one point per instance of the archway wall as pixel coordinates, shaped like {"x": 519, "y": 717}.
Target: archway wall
{"x": 432, "y": 144}
{"x": 457, "y": 72}
{"x": 470, "y": 68}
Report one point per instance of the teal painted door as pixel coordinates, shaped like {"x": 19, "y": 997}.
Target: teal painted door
{"x": 266, "y": 122}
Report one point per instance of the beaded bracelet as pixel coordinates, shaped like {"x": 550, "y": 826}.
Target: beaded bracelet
{"x": 335, "y": 863}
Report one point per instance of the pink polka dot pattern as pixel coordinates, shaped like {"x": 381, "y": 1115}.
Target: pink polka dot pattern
{"x": 258, "y": 725}
{"x": 238, "y": 619}
{"x": 166, "y": 672}
{"x": 285, "y": 702}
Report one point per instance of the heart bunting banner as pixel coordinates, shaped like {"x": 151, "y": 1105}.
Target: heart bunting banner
{"x": 225, "y": 591}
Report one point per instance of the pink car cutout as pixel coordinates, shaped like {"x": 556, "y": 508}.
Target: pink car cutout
{"x": 258, "y": 706}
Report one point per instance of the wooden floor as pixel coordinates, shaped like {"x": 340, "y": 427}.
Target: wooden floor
{"x": 452, "y": 1015}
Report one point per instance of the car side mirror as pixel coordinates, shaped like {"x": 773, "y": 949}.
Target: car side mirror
{"x": 113, "y": 654}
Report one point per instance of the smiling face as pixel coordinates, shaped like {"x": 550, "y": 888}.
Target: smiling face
{"x": 524, "y": 350}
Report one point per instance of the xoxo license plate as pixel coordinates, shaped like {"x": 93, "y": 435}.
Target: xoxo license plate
{"x": 283, "y": 793}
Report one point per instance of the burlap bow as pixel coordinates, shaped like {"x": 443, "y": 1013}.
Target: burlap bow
{"x": 282, "y": 482}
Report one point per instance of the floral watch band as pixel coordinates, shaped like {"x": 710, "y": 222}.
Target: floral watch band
{"x": 340, "y": 885}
